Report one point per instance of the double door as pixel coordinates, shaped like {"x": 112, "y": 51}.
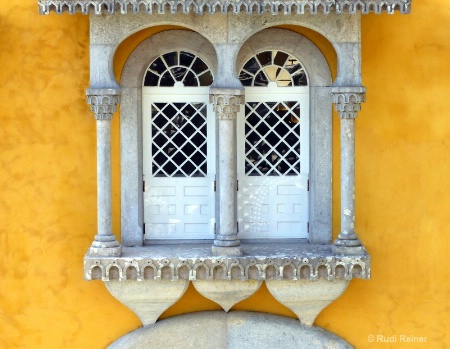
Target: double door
{"x": 179, "y": 164}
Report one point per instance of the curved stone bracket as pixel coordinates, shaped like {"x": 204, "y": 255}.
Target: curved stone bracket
{"x": 227, "y": 293}
{"x": 147, "y": 299}
{"x": 306, "y": 298}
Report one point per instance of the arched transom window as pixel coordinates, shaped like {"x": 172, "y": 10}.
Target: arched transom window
{"x": 178, "y": 68}
{"x": 273, "y": 68}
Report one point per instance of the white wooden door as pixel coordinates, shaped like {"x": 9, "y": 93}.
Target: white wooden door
{"x": 273, "y": 163}
{"x": 178, "y": 163}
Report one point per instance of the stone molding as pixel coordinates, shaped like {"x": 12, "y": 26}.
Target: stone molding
{"x": 227, "y": 268}
{"x": 348, "y": 101}
{"x": 103, "y": 102}
{"x": 225, "y": 6}
{"x": 226, "y": 104}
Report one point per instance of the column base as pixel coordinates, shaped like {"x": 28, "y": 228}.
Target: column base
{"x": 347, "y": 243}
{"x": 105, "y": 251}
{"x": 349, "y": 250}
{"x": 226, "y": 240}
{"x": 226, "y": 251}
{"x": 106, "y": 246}
{"x": 347, "y": 239}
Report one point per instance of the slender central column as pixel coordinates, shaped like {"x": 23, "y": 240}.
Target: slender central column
{"x": 348, "y": 103}
{"x": 104, "y": 104}
{"x": 226, "y": 104}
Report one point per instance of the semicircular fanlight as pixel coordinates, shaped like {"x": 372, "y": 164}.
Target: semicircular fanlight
{"x": 178, "y": 68}
{"x": 273, "y": 68}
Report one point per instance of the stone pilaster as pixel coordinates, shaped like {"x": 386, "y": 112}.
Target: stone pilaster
{"x": 226, "y": 103}
{"x": 103, "y": 104}
{"x": 347, "y": 101}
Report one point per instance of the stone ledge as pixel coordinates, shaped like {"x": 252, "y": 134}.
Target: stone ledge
{"x": 224, "y": 6}
{"x": 281, "y": 261}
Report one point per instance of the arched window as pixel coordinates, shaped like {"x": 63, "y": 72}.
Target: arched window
{"x": 178, "y": 148}
{"x": 273, "y": 148}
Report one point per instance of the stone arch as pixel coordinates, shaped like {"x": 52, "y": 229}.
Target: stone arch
{"x": 156, "y": 45}
{"x": 234, "y": 330}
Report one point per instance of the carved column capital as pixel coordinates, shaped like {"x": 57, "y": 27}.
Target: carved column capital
{"x": 347, "y": 101}
{"x": 226, "y": 102}
{"x": 103, "y": 102}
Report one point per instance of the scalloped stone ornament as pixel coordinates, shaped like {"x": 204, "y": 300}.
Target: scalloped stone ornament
{"x": 227, "y": 293}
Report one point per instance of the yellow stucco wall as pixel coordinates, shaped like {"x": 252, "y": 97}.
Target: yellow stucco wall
{"x": 48, "y": 187}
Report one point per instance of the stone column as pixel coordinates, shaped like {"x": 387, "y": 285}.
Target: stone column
{"x": 104, "y": 103}
{"x": 226, "y": 103}
{"x": 347, "y": 101}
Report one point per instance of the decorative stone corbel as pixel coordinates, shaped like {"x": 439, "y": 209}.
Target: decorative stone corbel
{"x": 227, "y": 293}
{"x": 306, "y": 298}
{"x": 148, "y": 299}
{"x": 104, "y": 103}
{"x": 347, "y": 101}
{"x": 226, "y": 104}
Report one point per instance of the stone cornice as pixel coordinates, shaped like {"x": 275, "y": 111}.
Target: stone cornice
{"x": 224, "y": 6}
{"x": 139, "y": 264}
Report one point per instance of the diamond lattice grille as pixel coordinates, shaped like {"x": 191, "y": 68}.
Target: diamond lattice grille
{"x": 179, "y": 140}
{"x": 272, "y": 139}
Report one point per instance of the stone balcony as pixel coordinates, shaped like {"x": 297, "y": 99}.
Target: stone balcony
{"x": 303, "y": 277}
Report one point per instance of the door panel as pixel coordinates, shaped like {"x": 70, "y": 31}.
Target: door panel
{"x": 273, "y": 163}
{"x": 178, "y": 164}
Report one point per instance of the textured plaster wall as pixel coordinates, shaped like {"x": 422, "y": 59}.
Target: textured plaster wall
{"x": 48, "y": 193}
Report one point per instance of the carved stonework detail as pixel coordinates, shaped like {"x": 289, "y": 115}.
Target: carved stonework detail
{"x": 348, "y": 103}
{"x": 227, "y": 293}
{"x": 103, "y": 105}
{"x": 314, "y": 296}
{"x": 147, "y": 299}
{"x": 227, "y": 268}
{"x": 225, "y": 6}
{"x": 226, "y": 106}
